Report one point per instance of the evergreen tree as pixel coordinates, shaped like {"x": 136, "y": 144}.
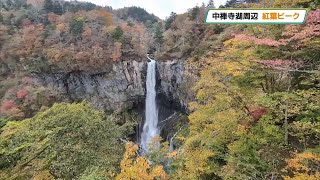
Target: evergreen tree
{"x": 53, "y": 6}
{"x": 234, "y": 3}
{"x": 194, "y": 13}
{"x": 136, "y": 13}
{"x": 76, "y": 25}
{"x": 9, "y": 4}
{"x": 57, "y": 8}
{"x": 210, "y": 4}
{"x": 170, "y": 20}
{"x": 48, "y": 5}
{"x": 158, "y": 35}
{"x": 117, "y": 33}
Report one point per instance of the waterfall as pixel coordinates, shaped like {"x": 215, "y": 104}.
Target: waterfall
{"x": 150, "y": 127}
{"x": 171, "y": 149}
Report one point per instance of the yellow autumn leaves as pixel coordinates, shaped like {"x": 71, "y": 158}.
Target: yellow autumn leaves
{"x": 301, "y": 166}
{"x": 135, "y": 167}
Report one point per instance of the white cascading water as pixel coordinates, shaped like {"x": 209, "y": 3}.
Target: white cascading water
{"x": 150, "y": 127}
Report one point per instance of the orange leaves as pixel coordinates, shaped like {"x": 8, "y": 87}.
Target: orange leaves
{"x": 135, "y": 167}
{"x": 131, "y": 150}
{"x": 173, "y": 154}
{"x": 32, "y": 32}
{"x": 298, "y": 162}
{"x": 140, "y": 39}
{"x": 125, "y": 27}
{"x": 87, "y": 32}
{"x": 86, "y": 44}
{"x": 60, "y": 21}
{"x": 82, "y": 57}
{"x": 116, "y": 51}
{"x": 158, "y": 172}
{"x": 30, "y": 42}
{"x": 100, "y": 15}
{"x": 45, "y": 174}
{"x": 90, "y": 49}
{"x": 53, "y": 18}
{"x": 301, "y": 176}
{"x": 61, "y": 27}
{"x": 304, "y": 166}
{"x": 53, "y": 54}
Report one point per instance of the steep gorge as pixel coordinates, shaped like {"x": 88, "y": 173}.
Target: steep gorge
{"x": 121, "y": 87}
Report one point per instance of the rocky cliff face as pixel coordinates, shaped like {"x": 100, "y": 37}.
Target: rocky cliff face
{"x": 174, "y": 82}
{"x": 122, "y": 87}
{"x": 113, "y": 90}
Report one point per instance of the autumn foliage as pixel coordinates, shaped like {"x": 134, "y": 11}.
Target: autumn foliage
{"x": 7, "y": 105}
{"x": 251, "y": 93}
{"x": 304, "y": 166}
{"x": 10, "y": 109}
{"x": 73, "y": 41}
{"x": 136, "y": 167}
{"x": 22, "y": 93}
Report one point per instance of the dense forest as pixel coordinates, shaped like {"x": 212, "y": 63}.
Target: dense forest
{"x": 254, "y": 111}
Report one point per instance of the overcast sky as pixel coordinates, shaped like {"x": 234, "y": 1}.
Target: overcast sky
{"x": 161, "y": 8}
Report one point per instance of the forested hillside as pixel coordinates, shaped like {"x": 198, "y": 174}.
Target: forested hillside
{"x": 69, "y": 36}
{"x": 254, "y": 112}
{"x": 48, "y": 36}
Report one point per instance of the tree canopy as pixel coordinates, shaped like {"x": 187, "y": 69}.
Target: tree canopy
{"x": 64, "y": 141}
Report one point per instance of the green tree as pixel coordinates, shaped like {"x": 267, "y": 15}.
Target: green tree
{"x": 257, "y": 152}
{"x": 210, "y": 4}
{"x": 67, "y": 140}
{"x": 77, "y": 25}
{"x": 170, "y": 20}
{"x": 158, "y": 35}
{"x": 48, "y": 5}
{"x": 53, "y": 6}
{"x": 1, "y": 17}
{"x": 194, "y": 13}
{"x": 217, "y": 115}
{"x": 137, "y": 14}
{"x": 117, "y": 33}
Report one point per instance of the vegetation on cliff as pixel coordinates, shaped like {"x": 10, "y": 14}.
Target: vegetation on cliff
{"x": 66, "y": 141}
{"x": 52, "y": 36}
{"x": 255, "y": 114}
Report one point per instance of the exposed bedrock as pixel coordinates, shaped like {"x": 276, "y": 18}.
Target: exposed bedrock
{"x": 123, "y": 86}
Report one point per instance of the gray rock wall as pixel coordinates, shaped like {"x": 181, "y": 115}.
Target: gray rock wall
{"x": 171, "y": 76}
{"x": 114, "y": 90}
{"x": 122, "y": 86}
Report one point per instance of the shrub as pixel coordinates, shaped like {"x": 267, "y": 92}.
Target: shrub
{"x": 77, "y": 25}
{"x": 117, "y": 33}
